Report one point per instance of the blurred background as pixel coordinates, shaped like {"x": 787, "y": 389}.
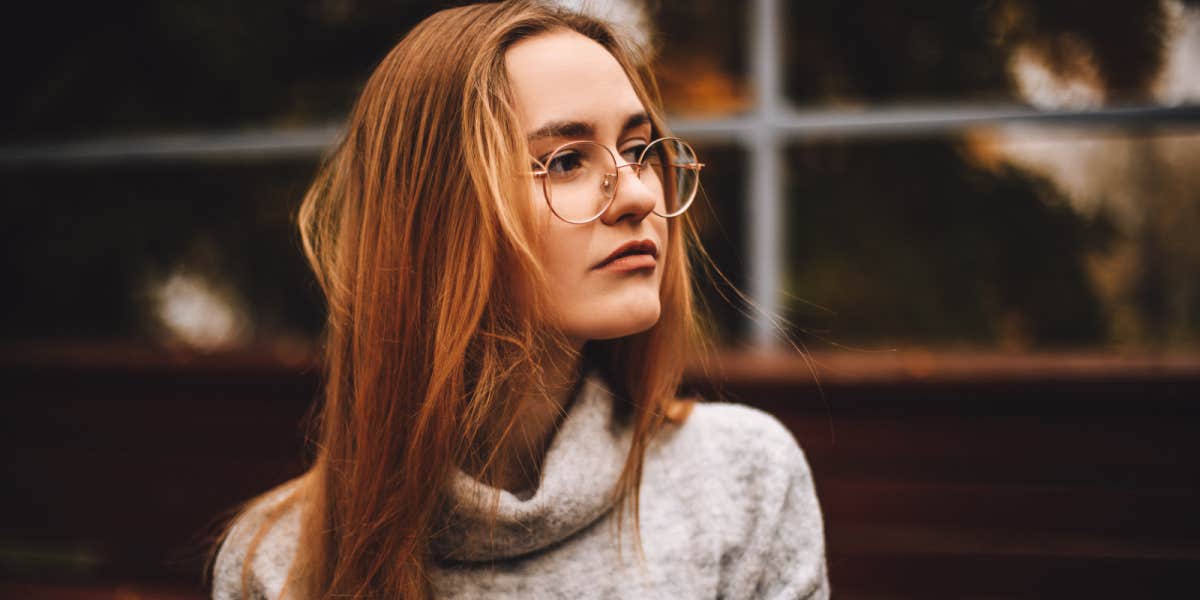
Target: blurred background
{"x": 980, "y": 219}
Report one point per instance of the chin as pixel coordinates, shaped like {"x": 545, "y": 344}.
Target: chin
{"x": 616, "y": 322}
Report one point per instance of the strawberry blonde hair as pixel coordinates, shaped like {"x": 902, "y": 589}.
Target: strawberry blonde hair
{"x": 421, "y": 234}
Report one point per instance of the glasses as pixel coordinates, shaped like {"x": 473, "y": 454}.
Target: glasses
{"x": 579, "y": 179}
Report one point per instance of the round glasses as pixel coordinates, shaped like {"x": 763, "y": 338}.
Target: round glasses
{"x": 579, "y": 178}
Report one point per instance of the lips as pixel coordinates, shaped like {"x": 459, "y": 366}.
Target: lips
{"x": 637, "y": 248}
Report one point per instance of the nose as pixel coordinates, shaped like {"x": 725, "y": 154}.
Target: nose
{"x": 633, "y": 200}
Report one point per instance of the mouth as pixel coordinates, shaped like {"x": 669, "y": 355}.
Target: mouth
{"x": 638, "y": 254}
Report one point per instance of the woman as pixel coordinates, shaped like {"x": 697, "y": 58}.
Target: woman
{"x": 502, "y": 242}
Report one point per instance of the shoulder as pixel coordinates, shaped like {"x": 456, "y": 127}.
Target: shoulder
{"x": 748, "y": 452}
{"x": 744, "y": 435}
{"x": 761, "y": 502}
{"x": 275, "y": 516}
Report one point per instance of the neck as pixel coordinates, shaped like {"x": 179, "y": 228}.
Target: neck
{"x": 541, "y": 409}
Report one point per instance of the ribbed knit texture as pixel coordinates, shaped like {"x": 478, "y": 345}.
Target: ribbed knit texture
{"x": 728, "y": 510}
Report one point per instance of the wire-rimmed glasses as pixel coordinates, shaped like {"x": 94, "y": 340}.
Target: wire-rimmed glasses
{"x": 579, "y": 179}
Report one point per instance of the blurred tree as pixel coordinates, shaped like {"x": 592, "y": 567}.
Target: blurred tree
{"x": 911, "y": 242}
{"x": 877, "y": 50}
{"x": 116, "y": 67}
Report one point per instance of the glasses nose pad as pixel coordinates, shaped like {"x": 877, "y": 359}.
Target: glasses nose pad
{"x": 608, "y": 184}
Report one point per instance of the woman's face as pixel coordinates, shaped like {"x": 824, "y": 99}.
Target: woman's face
{"x": 569, "y": 88}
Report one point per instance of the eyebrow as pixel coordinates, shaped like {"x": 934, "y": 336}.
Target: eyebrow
{"x": 583, "y": 129}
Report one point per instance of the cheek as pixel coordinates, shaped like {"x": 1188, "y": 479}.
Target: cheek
{"x": 663, "y": 231}
{"x": 562, "y": 250}
{"x": 593, "y": 305}
{"x": 560, "y": 245}
{"x": 587, "y": 304}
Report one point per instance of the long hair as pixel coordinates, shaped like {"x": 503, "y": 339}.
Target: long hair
{"x": 420, "y": 233}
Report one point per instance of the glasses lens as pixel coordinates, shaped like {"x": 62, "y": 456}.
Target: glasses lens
{"x": 674, "y": 164}
{"x": 580, "y": 180}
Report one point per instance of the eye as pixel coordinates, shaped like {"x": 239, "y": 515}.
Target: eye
{"x": 633, "y": 153}
{"x": 564, "y": 163}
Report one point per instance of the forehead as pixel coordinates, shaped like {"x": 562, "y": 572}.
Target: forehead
{"x": 563, "y": 75}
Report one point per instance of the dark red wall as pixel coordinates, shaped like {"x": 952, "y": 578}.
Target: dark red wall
{"x": 1054, "y": 484}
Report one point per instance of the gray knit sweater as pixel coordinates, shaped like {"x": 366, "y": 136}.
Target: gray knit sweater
{"x": 728, "y": 510}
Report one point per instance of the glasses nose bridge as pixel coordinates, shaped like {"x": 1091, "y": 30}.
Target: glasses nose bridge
{"x": 609, "y": 182}
{"x": 635, "y": 166}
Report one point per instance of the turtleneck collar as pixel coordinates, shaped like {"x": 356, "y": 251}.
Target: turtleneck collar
{"x": 579, "y": 473}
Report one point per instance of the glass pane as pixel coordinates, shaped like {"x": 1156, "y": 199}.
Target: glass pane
{"x": 701, "y": 66}
{"x": 149, "y": 66}
{"x": 1018, "y": 239}
{"x": 719, "y": 212}
{"x": 204, "y": 255}
{"x": 870, "y": 51}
